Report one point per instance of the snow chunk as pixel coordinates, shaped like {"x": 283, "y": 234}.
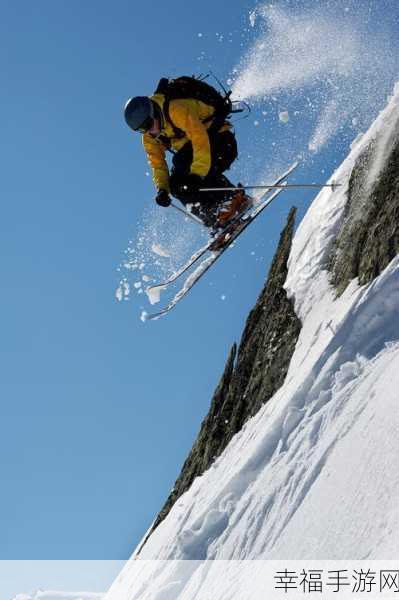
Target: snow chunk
{"x": 123, "y": 291}
{"x": 160, "y": 251}
{"x": 252, "y": 18}
{"x": 284, "y": 116}
{"x": 154, "y": 293}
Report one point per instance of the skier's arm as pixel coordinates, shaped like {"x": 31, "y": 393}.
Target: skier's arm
{"x": 156, "y": 159}
{"x": 185, "y": 117}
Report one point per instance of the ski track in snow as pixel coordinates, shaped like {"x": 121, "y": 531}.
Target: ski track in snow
{"x": 314, "y": 473}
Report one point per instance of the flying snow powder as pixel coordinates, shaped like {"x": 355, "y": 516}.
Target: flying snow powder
{"x": 338, "y": 59}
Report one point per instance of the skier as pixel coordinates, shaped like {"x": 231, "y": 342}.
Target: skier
{"x": 192, "y": 123}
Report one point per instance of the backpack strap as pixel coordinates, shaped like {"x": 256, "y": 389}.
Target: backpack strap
{"x": 162, "y": 88}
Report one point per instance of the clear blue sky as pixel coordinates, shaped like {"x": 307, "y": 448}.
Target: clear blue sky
{"x": 99, "y": 410}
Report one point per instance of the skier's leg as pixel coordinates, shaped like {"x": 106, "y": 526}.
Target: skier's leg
{"x": 181, "y": 164}
{"x": 223, "y": 152}
{"x": 198, "y": 203}
{"x": 210, "y": 207}
{"x": 224, "y": 205}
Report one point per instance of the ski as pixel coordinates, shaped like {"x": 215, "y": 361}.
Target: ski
{"x": 204, "y": 249}
{"x": 208, "y": 262}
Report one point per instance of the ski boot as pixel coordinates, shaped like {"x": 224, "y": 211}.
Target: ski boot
{"x": 228, "y": 218}
{"x": 236, "y": 206}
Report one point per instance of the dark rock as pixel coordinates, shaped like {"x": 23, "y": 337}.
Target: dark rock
{"x": 369, "y": 237}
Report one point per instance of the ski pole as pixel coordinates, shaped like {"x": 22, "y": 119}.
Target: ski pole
{"x": 333, "y": 186}
{"x": 187, "y": 214}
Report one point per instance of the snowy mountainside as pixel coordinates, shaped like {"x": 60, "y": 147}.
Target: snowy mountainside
{"x": 313, "y": 474}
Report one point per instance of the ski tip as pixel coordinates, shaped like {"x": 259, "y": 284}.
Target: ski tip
{"x": 145, "y": 317}
{"x": 156, "y": 316}
{"x": 294, "y": 165}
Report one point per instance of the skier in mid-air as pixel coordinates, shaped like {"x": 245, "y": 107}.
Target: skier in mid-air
{"x": 190, "y": 118}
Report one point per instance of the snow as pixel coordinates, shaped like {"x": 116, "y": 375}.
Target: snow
{"x": 284, "y": 116}
{"x": 160, "y": 251}
{"x": 123, "y": 290}
{"x": 313, "y": 475}
{"x": 154, "y": 293}
{"x": 159, "y": 248}
{"x": 57, "y": 595}
{"x": 321, "y": 51}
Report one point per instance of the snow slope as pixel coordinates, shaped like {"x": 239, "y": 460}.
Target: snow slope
{"x": 313, "y": 475}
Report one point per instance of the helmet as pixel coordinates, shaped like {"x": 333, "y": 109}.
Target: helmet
{"x": 139, "y": 113}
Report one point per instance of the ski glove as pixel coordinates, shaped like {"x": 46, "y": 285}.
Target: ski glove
{"x": 163, "y": 198}
{"x": 190, "y": 184}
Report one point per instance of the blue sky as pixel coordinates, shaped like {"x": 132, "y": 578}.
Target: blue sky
{"x": 99, "y": 410}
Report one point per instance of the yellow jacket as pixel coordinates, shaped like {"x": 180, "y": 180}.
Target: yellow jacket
{"x": 188, "y": 115}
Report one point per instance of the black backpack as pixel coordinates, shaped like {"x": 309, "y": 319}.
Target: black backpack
{"x": 198, "y": 89}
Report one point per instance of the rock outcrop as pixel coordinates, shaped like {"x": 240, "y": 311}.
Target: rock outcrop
{"x": 369, "y": 237}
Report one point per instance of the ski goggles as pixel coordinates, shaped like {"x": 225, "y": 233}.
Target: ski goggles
{"x": 147, "y": 124}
